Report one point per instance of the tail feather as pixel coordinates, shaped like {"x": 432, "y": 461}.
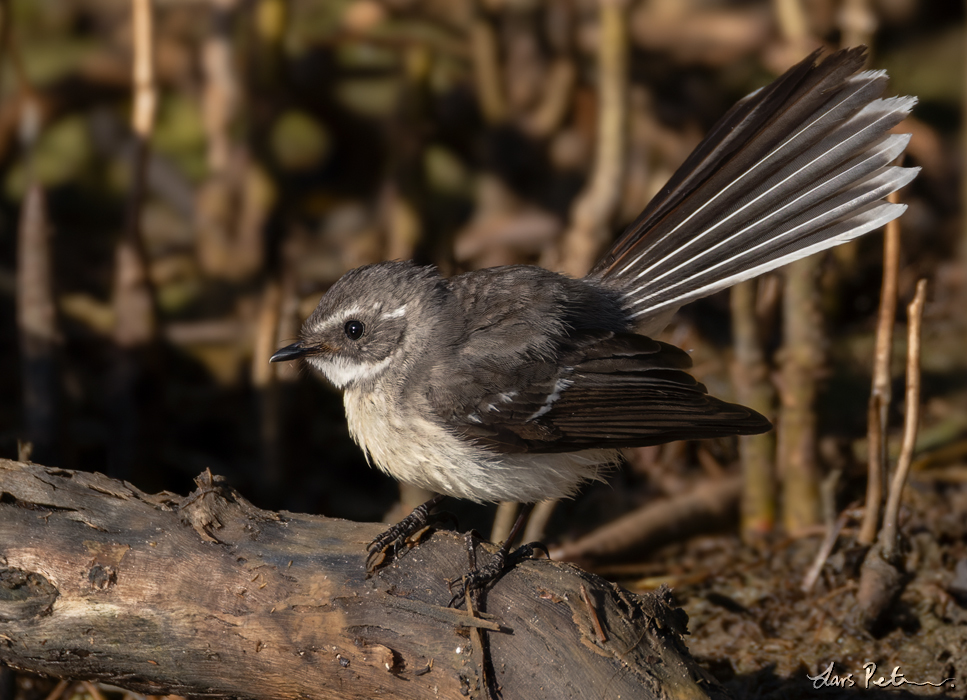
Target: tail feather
{"x": 794, "y": 168}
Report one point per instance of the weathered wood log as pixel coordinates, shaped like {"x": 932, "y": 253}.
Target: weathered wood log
{"x": 210, "y": 596}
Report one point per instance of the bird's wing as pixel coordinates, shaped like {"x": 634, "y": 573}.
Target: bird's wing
{"x": 604, "y": 389}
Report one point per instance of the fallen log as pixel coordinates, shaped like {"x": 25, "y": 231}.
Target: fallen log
{"x": 210, "y": 596}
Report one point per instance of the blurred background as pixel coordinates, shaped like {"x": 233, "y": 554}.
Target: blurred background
{"x": 181, "y": 180}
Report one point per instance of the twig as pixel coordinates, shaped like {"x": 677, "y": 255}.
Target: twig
{"x": 792, "y": 21}
{"x": 486, "y": 66}
{"x": 37, "y": 326}
{"x": 803, "y": 341}
{"x": 58, "y": 690}
{"x": 221, "y": 91}
{"x": 92, "y": 690}
{"x": 145, "y": 91}
{"x": 750, "y": 375}
{"x": 963, "y": 164}
{"x": 658, "y": 524}
{"x": 217, "y": 218}
{"x": 536, "y": 528}
{"x": 406, "y": 191}
{"x": 133, "y": 297}
{"x": 911, "y": 420}
{"x": 480, "y": 650}
{"x": 829, "y": 541}
{"x": 4, "y": 34}
{"x": 596, "y": 205}
{"x": 881, "y": 575}
{"x": 880, "y": 394}
{"x": 802, "y": 358}
{"x": 794, "y": 26}
{"x": 547, "y": 116}
{"x": 598, "y": 629}
{"x": 503, "y": 521}
{"x": 271, "y": 471}
{"x": 857, "y": 23}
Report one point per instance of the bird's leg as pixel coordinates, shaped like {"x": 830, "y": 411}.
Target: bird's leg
{"x": 395, "y": 535}
{"x": 502, "y": 561}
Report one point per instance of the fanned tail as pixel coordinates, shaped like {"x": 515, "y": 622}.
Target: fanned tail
{"x": 794, "y": 168}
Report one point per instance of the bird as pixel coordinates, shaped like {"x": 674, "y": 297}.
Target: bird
{"x": 516, "y": 383}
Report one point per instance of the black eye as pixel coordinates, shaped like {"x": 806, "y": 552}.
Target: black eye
{"x": 354, "y": 329}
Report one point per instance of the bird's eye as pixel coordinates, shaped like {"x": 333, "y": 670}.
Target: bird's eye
{"x": 354, "y": 329}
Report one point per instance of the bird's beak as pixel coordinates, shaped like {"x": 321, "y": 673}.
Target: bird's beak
{"x": 289, "y": 352}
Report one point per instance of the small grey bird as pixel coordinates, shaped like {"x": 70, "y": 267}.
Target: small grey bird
{"x": 516, "y": 383}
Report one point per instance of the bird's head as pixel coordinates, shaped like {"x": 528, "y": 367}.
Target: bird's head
{"x": 371, "y": 316}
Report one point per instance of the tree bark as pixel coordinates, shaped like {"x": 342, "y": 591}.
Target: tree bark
{"x": 209, "y": 596}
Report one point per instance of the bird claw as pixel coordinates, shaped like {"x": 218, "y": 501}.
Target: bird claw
{"x": 479, "y": 578}
{"x": 393, "y": 537}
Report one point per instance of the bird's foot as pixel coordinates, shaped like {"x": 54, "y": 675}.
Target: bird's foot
{"x": 393, "y": 538}
{"x": 479, "y": 578}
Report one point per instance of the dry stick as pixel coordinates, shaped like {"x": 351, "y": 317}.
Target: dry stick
{"x": 750, "y": 375}
{"x": 272, "y": 468}
{"x": 881, "y": 575}
{"x": 596, "y": 205}
{"x": 93, "y": 690}
{"x": 658, "y": 524}
{"x": 503, "y": 521}
{"x": 4, "y": 34}
{"x": 548, "y": 115}
{"x": 215, "y": 209}
{"x": 802, "y": 358}
{"x": 963, "y": 165}
{"x": 857, "y": 22}
{"x": 135, "y": 326}
{"x": 485, "y": 53}
{"x": 133, "y": 297}
{"x": 825, "y": 549}
{"x": 880, "y": 394}
{"x": 537, "y": 522}
{"x": 888, "y": 534}
{"x": 58, "y": 690}
{"x": 406, "y": 200}
{"x": 599, "y": 632}
{"x": 37, "y": 326}
{"x": 802, "y": 354}
{"x": 795, "y": 28}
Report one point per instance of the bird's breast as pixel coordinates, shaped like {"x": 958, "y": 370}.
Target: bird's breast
{"x": 409, "y": 445}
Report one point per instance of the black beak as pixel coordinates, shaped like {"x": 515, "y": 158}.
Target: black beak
{"x": 289, "y": 352}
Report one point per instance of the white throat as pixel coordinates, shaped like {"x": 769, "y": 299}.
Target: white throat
{"x": 342, "y": 372}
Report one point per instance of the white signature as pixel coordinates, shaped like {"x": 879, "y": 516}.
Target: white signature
{"x": 828, "y": 679}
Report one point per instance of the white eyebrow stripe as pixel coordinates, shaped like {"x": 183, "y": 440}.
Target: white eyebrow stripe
{"x": 395, "y": 313}
{"x": 339, "y": 318}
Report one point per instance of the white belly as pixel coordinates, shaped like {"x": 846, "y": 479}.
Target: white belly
{"x": 420, "y": 452}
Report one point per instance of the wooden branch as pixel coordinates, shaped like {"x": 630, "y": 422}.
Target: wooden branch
{"x": 911, "y": 424}
{"x": 37, "y": 325}
{"x": 878, "y": 408}
{"x": 802, "y": 358}
{"x": 593, "y": 210}
{"x": 656, "y": 524}
{"x": 485, "y": 53}
{"x": 882, "y": 575}
{"x": 750, "y": 376}
{"x": 210, "y": 596}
